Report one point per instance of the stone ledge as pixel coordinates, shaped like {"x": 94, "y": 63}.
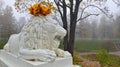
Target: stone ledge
{"x": 10, "y": 60}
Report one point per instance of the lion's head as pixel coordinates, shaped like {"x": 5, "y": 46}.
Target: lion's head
{"x": 43, "y": 33}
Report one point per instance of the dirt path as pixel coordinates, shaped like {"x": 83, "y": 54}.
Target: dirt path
{"x": 113, "y": 53}
{"x": 117, "y": 46}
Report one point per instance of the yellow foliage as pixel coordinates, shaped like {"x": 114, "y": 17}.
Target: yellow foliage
{"x": 34, "y": 10}
{"x": 44, "y": 8}
{"x": 38, "y": 9}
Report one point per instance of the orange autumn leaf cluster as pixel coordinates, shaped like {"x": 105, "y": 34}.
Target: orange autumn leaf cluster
{"x": 38, "y": 9}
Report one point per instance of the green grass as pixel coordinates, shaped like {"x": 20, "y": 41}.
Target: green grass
{"x": 105, "y": 59}
{"x": 94, "y": 45}
{"x": 2, "y": 43}
{"x": 114, "y": 61}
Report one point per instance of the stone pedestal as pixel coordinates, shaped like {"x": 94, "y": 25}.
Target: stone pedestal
{"x": 10, "y": 60}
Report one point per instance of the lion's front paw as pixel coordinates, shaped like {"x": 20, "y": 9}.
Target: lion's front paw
{"x": 49, "y": 56}
{"x": 67, "y": 54}
{"x": 61, "y": 53}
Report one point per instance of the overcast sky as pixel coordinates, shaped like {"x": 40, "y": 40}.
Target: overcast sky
{"x": 112, "y": 6}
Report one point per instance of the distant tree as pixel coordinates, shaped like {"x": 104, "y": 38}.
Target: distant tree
{"x": 85, "y": 29}
{"x": 94, "y": 26}
{"x": 21, "y": 22}
{"x": 7, "y": 22}
{"x": 1, "y": 5}
{"x": 117, "y": 27}
{"x": 105, "y": 28}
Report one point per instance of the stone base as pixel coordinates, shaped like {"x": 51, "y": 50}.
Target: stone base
{"x": 10, "y": 60}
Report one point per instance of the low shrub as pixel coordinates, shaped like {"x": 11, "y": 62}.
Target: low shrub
{"x": 107, "y": 60}
{"x": 76, "y": 59}
{"x": 103, "y": 57}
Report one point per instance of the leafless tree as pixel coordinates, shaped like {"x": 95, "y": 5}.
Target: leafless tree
{"x": 73, "y": 7}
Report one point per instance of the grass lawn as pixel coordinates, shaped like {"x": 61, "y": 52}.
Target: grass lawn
{"x": 94, "y": 45}
{"x": 2, "y": 43}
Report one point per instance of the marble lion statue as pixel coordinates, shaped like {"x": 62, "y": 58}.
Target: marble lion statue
{"x": 39, "y": 39}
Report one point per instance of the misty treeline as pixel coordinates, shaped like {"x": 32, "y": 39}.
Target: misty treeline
{"x": 8, "y": 23}
{"x": 104, "y": 28}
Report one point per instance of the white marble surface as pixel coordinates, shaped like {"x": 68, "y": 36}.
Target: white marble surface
{"x": 9, "y": 60}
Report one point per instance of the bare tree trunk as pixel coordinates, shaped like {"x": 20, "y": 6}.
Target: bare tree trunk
{"x": 72, "y": 38}
{"x": 73, "y": 21}
{"x": 65, "y": 41}
{"x": 65, "y": 25}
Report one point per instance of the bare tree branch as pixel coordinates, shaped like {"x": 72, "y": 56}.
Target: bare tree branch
{"x": 87, "y": 16}
{"x": 57, "y": 3}
{"x": 80, "y": 1}
{"x": 118, "y": 3}
{"x": 60, "y": 1}
{"x": 67, "y": 6}
{"x": 83, "y": 10}
{"x": 91, "y": 14}
{"x": 61, "y": 4}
